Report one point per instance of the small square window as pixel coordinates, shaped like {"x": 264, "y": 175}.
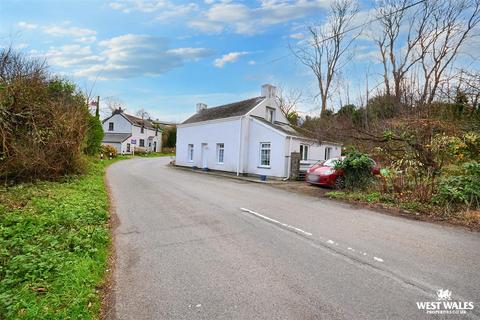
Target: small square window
{"x": 141, "y": 143}
{"x": 270, "y": 115}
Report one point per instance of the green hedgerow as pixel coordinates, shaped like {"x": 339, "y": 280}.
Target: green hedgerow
{"x": 357, "y": 169}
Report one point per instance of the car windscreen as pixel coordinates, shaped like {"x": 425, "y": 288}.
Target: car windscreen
{"x": 330, "y": 162}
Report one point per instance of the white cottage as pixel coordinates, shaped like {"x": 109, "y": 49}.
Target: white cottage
{"x": 126, "y": 132}
{"x": 246, "y": 137}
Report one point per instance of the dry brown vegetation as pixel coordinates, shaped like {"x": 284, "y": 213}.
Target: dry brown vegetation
{"x": 43, "y": 121}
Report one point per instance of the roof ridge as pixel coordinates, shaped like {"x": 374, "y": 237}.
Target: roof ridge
{"x": 232, "y": 103}
{"x": 238, "y": 108}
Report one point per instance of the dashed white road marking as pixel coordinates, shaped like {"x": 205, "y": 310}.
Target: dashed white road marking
{"x": 331, "y": 242}
{"x": 276, "y": 222}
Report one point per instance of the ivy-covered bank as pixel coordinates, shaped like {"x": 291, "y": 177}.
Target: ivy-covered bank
{"x": 54, "y": 241}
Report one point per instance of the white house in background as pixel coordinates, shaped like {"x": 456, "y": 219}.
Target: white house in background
{"x": 246, "y": 137}
{"x": 126, "y": 132}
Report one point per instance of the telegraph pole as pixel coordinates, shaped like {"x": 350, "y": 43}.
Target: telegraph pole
{"x": 97, "y": 110}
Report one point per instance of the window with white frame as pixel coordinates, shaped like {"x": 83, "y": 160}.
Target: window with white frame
{"x": 110, "y": 126}
{"x": 220, "y": 152}
{"x": 265, "y": 154}
{"x": 328, "y": 153}
{"x": 303, "y": 152}
{"x": 190, "y": 152}
{"x": 270, "y": 115}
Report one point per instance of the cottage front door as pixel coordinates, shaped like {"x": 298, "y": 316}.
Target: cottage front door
{"x": 204, "y": 155}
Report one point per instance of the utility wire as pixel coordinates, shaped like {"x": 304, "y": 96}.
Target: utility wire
{"x": 352, "y": 29}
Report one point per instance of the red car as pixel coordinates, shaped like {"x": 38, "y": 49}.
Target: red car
{"x": 323, "y": 173}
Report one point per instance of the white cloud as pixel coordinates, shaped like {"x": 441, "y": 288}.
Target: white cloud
{"x": 243, "y": 19}
{"x": 229, "y": 58}
{"x": 166, "y": 8}
{"x": 252, "y": 62}
{"x": 134, "y": 55}
{"x": 26, "y": 25}
{"x": 298, "y": 36}
{"x": 176, "y": 11}
{"x": 81, "y": 34}
{"x": 71, "y": 56}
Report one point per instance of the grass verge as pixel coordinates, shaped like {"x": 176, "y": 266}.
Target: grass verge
{"x": 154, "y": 154}
{"x": 54, "y": 241}
{"x": 423, "y": 211}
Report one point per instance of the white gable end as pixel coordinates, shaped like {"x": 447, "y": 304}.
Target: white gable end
{"x": 261, "y": 110}
{"x": 120, "y": 124}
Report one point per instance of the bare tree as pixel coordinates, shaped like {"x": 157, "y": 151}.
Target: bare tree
{"x": 325, "y": 51}
{"x": 452, "y": 23}
{"x": 399, "y": 57}
{"x": 434, "y": 32}
{"x": 288, "y": 101}
{"x": 114, "y": 103}
{"x": 142, "y": 113}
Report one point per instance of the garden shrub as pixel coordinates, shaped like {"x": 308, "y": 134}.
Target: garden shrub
{"x": 108, "y": 151}
{"x": 357, "y": 169}
{"x": 462, "y": 189}
{"x": 140, "y": 150}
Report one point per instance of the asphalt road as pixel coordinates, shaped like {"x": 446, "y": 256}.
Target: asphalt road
{"x": 196, "y": 246}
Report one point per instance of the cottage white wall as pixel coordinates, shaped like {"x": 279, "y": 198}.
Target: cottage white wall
{"x": 120, "y": 124}
{"x": 260, "y": 133}
{"x": 336, "y": 150}
{"x": 261, "y": 110}
{"x": 226, "y": 132}
{"x": 316, "y": 151}
{"x": 137, "y": 135}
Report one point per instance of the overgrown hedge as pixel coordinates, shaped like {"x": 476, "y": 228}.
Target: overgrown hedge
{"x": 44, "y": 122}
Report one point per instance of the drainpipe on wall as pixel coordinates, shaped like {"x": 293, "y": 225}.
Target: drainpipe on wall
{"x": 289, "y": 165}
{"x": 240, "y": 146}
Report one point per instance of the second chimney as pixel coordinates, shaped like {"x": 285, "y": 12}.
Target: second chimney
{"x": 269, "y": 91}
{"x": 201, "y": 106}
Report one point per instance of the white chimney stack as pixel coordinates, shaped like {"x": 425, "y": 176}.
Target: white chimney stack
{"x": 269, "y": 91}
{"x": 201, "y": 106}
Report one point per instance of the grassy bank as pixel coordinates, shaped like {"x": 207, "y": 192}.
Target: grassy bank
{"x": 54, "y": 242}
{"x": 424, "y": 211}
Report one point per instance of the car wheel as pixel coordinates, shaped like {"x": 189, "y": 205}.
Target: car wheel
{"x": 340, "y": 182}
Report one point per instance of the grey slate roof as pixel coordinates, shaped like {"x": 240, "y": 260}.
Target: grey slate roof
{"x": 115, "y": 137}
{"x": 229, "y": 110}
{"x": 139, "y": 122}
{"x": 285, "y": 128}
{"x": 147, "y": 123}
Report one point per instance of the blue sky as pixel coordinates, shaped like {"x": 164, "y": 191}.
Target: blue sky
{"x": 165, "y": 55}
